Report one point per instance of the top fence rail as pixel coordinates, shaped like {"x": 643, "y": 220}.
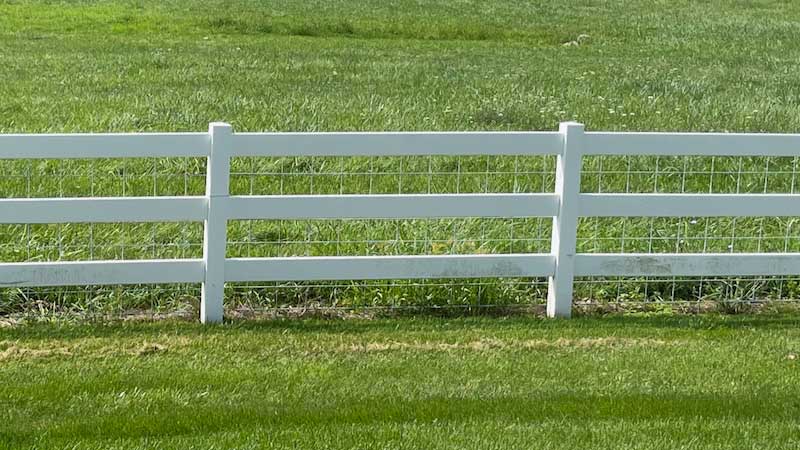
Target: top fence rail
{"x": 692, "y": 144}
{"x": 134, "y": 145}
{"x": 103, "y": 145}
{"x": 396, "y": 144}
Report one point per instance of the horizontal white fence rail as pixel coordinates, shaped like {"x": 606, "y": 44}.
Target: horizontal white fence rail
{"x": 396, "y": 144}
{"x": 388, "y": 267}
{"x": 688, "y": 205}
{"x": 124, "y": 145}
{"x": 391, "y": 206}
{"x": 66, "y": 273}
{"x": 108, "y": 209}
{"x": 565, "y": 206}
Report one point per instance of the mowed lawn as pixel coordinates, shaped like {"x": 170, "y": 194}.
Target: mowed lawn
{"x": 701, "y": 382}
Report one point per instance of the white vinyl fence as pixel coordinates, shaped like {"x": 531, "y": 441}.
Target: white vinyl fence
{"x": 565, "y": 206}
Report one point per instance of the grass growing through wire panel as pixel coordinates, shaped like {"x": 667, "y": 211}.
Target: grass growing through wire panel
{"x": 353, "y": 65}
{"x": 628, "y": 382}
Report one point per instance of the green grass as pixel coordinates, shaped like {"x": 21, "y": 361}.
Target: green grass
{"x": 621, "y": 382}
{"x": 404, "y": 65}
{"x": 431, "y": 65}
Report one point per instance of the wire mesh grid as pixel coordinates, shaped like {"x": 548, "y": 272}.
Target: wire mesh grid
{"x": 390, "y": 175}
{"x": 100, "y": 241}
{"x": 400, "y": 175}
{"x": 717, "y": 175}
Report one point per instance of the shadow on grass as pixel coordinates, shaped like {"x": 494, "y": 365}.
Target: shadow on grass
{"x": 171, "y": 420}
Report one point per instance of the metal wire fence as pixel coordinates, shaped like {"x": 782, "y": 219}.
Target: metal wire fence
{"x": 400, "y": 175}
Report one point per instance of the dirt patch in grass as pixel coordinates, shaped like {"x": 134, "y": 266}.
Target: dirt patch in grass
{"x": 91, "y": 348}
{"x": 150, "y": 349}
{"x": 498, "y": 344}
{"x": 18, "y": 352}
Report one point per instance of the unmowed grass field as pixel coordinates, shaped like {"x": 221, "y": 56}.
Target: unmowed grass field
{"x": 651, "y": 380}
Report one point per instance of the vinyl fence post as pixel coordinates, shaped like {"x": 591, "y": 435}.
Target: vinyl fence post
{"x": 215, "y": 233}
{"x": 565, "y": 224}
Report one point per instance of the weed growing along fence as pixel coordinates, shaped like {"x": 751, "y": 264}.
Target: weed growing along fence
{"x": 565, "y": 205}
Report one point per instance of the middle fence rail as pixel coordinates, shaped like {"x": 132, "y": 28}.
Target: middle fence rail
{"x": 565, "y": 205}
